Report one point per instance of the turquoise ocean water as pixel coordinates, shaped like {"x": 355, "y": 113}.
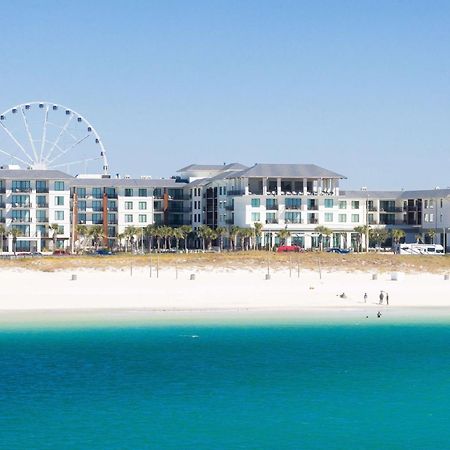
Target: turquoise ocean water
{"x": 274, "y": 386}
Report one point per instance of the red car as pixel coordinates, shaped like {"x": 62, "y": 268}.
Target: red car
{"x": 289, "y": 248}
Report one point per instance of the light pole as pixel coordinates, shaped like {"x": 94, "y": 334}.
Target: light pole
{"x": 367, "y": 222}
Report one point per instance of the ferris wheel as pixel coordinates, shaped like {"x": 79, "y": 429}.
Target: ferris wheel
{"x": 43, "y": 135}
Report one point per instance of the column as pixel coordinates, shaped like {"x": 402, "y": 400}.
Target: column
{"x": 305, "y": 186}
{"x": 10, "y": 244}
{"x": 278, "y": 186}
{"x": 264, "y": 180}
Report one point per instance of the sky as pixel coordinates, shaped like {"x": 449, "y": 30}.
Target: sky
{"x": 357, "y": 87}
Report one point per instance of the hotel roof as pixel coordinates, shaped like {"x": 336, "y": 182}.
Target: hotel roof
{"x": 288, "y": 171}
{"x": 127, "y": 182}
{"x": 31, "y": 174}
{"x": 210, "y": 167}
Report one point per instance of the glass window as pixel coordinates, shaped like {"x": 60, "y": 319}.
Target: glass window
{"x": 328, "y": 217}
{"x": 342, "y": 218}
{"x": 292, "y": 217}
{"x": 59, "y": 185}
{"x": 328, "y": 203}
{"x": 97, "y": 205}
{"x": 60, "y": 229}
{"x": 342, "y": 204}
{"x": 355, "y": 217}
{"x": 41, "y": 201}
{"x": 82, "y": 218}
{"x": 110, "y": 192}
{"x": 41, "y": 215}
{"x": 97, "y": 192}
{"x": 355, "y": 204}
{"x": 59, "y": 215}
{"x": 293, "y": 203}
{"x": 142, "y": 205}
{"x": 142, "y": 218}
{"x": 81, "y": 192}
{"x": 97, "y": 219}
{"x": 271, "y": 203}
{"x": 256, "y": 202}
{"x": 128, "y": 218}
{"x": 128, "y": 205}
{"x": 59, "y": 200}
{"x": 142, "y": 192}
{"x": 111, "y": 218}
{"x": 271, "y": 218}
{"x": 128, "y": 192}
{"x": 41, "y": 186}
{"x": 21, "y": 186}
{"x": 82, "y": 205}
{"x": 256, "y": 217}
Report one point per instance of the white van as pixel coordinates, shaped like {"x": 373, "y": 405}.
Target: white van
{"x": 420, "y": 249}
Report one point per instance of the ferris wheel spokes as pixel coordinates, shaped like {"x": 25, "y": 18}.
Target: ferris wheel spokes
{"x": 44, "y": 133}
{"x": 61, "y": 133}
{"x": 67, "y": 149}
{"x": 8, "y": 132}
{"x": 30, "y": 137}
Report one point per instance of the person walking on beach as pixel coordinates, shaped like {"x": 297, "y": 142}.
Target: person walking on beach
{"x": 387, "y": 299}
{"x": 381, "y": 297}
{"x": 365, "y": 297}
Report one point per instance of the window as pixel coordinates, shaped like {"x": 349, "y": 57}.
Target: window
{"x": 328, "y": 217}
{"x": 328, "y": 203}
{"x": 97, "y": 219}
{"x": 142, "y": 192}
{"x": 97, "y": 205}
{"x": 355, "y": 217}
{"x": 82, "y": 218}
{"x": 431, "y": 217}
{"x": 128, "y": 205}
{"x": 431, "y": 203}
{"x": 271, "y": 218}
{"x": 293, "y": 203}
{"x": 342, "y": 218}
{"x": 112, "y": 205}
{"x": 59, "y": 200}
{"x": 220, "y": 190}
{"x": 128, "y": 192}
{"x": 142, "y": 205}
{"x": 59, "y": 185}
{"x": 355, "y": 204}
{"x": 21, "y": 186}
{"x": 256, "y": 217}
{"x": 271, "y": 203}
{"x": 97, "y": 192}
{"x": 111, "y": 218}
{"x": 441, "y": 202}
{"x": 128, "y": 218}
{"x": 142, "y": 218}
{"x": 425, "y": 217}
{"x": 82, "y": 205}
{"x": 20, "y": 200}
{"x": 41, "y": 201}
{"x": 41, "y": 215}
{"x": 41, "y": 186}
{"x": 59, "y": 215}
{"x": 60, "y": 229}
{"x": 342, "y": 204}
{"x": 81, "y": 192}
{"x": 256, "y": 202}
{"x": 292, "y": 217}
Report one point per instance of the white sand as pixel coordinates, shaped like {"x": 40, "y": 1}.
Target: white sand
{"x": 215, "y": 290}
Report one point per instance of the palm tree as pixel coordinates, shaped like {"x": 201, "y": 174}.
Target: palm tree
{"x": 361, "y": 230}
{"x": 120, "y": 238}
{"x": 15, "y": 233}
{"x": 166, "y": 234}
{"x": 233, "y": 233}
{"x": 323, "y": 231}
{"x": 82, "y": 232}
{"x": 283, "y": 235}
{"x": 397, "y": 235}
{"x": 221, "y": 232}
{"x": 379, "y": 235}
{"x": 178, "y": 234}
{"x": 55, "y": 228}
{"x": 150, "y": 231}
{"x": 95, "y": 232}
{"x": 431, "y": 234}
{"x": 185, "y": 230}
{"x": 158, "y": 235}
{"x": 203, "y": 234}
{"x": 258, "y": 233}
{"x": 2, "y": 236}
{"x": 130, "y": 236}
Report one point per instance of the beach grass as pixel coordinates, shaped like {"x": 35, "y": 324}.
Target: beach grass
{"x": 250, "y": 260}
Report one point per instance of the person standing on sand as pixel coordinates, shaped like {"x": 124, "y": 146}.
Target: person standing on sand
{"x": 365, "y": 297}
{"x": 387, "y": 299}
{"x": 381, "y": 297}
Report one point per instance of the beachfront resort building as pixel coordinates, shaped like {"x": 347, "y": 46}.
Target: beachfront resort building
{"x": 294, "y": 197}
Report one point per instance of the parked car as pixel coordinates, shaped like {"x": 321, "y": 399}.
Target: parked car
{"x": 103, "y": 251}
{"x": 342, "y": 251}
{"x": 289, "y": 248}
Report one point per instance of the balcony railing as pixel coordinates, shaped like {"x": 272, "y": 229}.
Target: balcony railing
{"x": 313, "y": 207}
{"x": 22, "y": 190}
{"x": 97, "y": 208}
{"x": 235, "y": 192}
{"x": 271, "y": 221}
{"x": 229, "y": 207}
{"x": 112, "y": 208}
{"x": 392, "y": 209}
{"x": 272, "y": 207}
{"x": 293, "y": 206}
{"x": 42, "y": 205}
{"x": 21, "y": 220}
{"x": 372, "y": 208}
{"x": 21, "y": 205}
{"x": 2, "y": 205}
{"x": 43, "y": 190}
{"x": 2, "y": 190}
{"x": 42, "y": 219}
{"x": 313, "y": 221}
{"x": 2, "y": 219}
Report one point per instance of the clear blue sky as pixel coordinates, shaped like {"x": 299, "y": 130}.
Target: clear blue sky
{"x": 358, "y": 87}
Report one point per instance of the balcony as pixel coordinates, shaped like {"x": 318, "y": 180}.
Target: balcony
{"x": 272, "y": 207}
{"x": 313, "y": 207}
{"x": 42, "y": 190}
{"x": 42, "y": 219}
{"x": 97, "y": 209}
{"x": 2, "y": 190}
{"x": 112, "y": 208}
{"x": 24, "y": 189}
{"x": 271, "y": 221}
{"x": 392, "y": 209}
{"x": 313, "y": 221}
{"x": 21, "y": 205}
{"x": 179, "y": 210}
{"x": 235, "y": 192}
{"x": 21, "y": 220}
{"x": 372, "y": 208}
{"x": 2, "y": 219}
{"x": 2, "y": 205}
{"x": 290, "y": 207}
{"x": 42, "y": 205}
{"x": 229, "y": 207}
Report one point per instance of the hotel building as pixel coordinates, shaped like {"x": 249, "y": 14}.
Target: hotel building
{"x": 296, "y": 197}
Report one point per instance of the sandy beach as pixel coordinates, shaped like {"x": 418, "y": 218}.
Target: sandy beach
{"x": 217, "y": 289}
